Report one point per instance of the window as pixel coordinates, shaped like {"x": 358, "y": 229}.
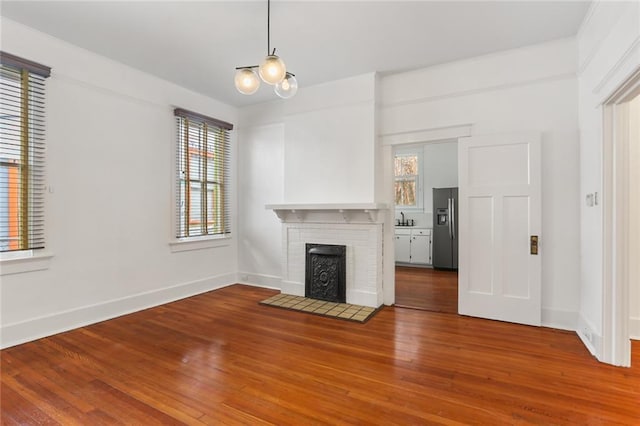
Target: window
{"x": 408, "y": 181}
{"x": 202, "y": 175}
{"x": 22, "y": 153}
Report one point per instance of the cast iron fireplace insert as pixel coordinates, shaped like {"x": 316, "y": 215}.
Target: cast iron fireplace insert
{"x": 325, "y": 272}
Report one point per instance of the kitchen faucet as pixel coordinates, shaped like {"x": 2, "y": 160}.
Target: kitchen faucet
{"x": 402, "y": 214}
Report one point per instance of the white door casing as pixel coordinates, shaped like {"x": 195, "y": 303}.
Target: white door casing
{"x": 499, "y": 210}
{"x": 616, "y": 346}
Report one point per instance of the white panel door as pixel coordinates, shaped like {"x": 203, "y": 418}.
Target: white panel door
{"x": 499, "y": 277}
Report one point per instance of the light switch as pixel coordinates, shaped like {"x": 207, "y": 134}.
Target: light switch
{"x": 589, "y": 200}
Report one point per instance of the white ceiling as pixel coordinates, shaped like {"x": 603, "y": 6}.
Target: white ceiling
{"x": 198, "y": 44}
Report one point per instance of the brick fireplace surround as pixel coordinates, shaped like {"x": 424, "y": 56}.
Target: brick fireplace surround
{"x": 356, "y": 226}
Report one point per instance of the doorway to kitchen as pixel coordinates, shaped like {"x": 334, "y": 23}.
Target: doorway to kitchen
{"x": 621, "y": 204}
{"x": 427, "y": 289}
{"x": 426, "y": 275}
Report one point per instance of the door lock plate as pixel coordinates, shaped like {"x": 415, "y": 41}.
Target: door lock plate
{"x": 534, "y": 244}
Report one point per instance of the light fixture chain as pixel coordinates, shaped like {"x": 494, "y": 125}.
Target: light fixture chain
{"x": 272, "y": 71}
{"x": 268, "y": 27}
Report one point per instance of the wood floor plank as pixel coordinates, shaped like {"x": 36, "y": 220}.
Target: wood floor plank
{"x": 427, "y": 289}
{"x": 23, "y": 411}
{"x": 221, "y": 358}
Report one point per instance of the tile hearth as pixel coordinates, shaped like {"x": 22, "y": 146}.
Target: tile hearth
{"x": 345, "y": 311}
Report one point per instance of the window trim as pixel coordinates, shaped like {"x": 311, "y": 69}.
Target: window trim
{"x": 197, "y": 242}
{"x": 32, "y": 232}
{"x": 20, "y": 262}
{"x": 419, "y": 153}
{"x": 17, "y": 62}
{"x": 181, "y": 112}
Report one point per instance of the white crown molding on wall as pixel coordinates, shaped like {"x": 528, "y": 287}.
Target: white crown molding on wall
{"x": 84, "y": 68}
{"x": 586, "y": 22}
{"x": 587, "y": 17}
{"x": 619, "y": 72}
{"x": 427, "y": 135}
{"x": 504, "y": 69}
{"x": 585, "y": 59}
{"x": 492, "y": 88}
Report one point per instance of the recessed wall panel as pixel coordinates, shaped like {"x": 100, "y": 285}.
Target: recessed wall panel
{"x": 480, "y": 241}
{"x": 514, "y": 169}
{"x": 515, "y": 232}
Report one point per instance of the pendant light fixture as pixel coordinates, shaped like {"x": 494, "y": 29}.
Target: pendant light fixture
{"x": 287, "y": 87}
{"x": 272, "y": 71}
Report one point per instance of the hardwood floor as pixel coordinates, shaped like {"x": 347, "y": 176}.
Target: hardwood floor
{"x": 221, "y": 358}
{"x": 426, "y": 288}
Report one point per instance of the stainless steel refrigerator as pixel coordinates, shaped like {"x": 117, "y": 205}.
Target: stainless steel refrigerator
{"x": 445, "y": 228}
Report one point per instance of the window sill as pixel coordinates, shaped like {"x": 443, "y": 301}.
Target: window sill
{"x": 29, "y": 263}
{"x": 199, "y": 243}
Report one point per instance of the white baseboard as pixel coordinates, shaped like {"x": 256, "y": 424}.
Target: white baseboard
{"x": 634, "y": 328}
{"x": 260, "y": 280}
{"x": 36, "y": 328}
{"x": 364, "y": 298}
{"x": 292, "y": 287}
{"x": 591, "y": 339}
{"x": 563, "y": 320}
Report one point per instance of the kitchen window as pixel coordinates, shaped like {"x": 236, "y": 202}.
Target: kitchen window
{"x": 202, "y": 176}
{"x": 408, "y": 179}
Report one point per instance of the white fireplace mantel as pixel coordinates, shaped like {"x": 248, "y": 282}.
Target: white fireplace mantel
{"x": 358, "y": 226}
{"x": 346, "y": 213}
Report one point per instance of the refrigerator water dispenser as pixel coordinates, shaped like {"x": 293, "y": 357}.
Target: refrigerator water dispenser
{"x": 442, "y": 215}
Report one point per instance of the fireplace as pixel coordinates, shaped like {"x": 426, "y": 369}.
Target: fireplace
{"x": 325, "y": 272}
{"x": 357, "y": 227}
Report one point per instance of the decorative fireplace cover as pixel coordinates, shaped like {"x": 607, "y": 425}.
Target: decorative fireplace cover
{"x": 325, "y": 272}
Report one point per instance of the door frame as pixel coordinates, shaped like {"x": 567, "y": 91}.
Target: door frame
{"x": 389, "y": 143}
{"x": 616, "y": 344}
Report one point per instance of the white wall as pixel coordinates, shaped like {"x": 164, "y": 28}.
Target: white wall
{"x": 634, "y": 215}
{"x": 109, "y": 210}
{"x": 609, "y": 52}
{"x": 319, "y": 147}
{"x": 261, "y": 181}
{"x": 330, "y": 143}
{"x": 528, "y": 89}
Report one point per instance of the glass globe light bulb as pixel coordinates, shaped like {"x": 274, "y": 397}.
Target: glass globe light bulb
{"x": 287, "y": 87}
{"x": 246, "y": 80}
{"x": 272, "y": 70}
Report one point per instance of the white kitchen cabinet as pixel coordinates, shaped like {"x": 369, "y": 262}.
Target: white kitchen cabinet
{"x": 413, "y": 246}
{"x": 403, "y": 245}
{"x": 420, "y": 249}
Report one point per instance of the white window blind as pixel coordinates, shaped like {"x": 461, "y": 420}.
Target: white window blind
{"x": 22, "y": 153}
{"x": 202, "y": 175}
